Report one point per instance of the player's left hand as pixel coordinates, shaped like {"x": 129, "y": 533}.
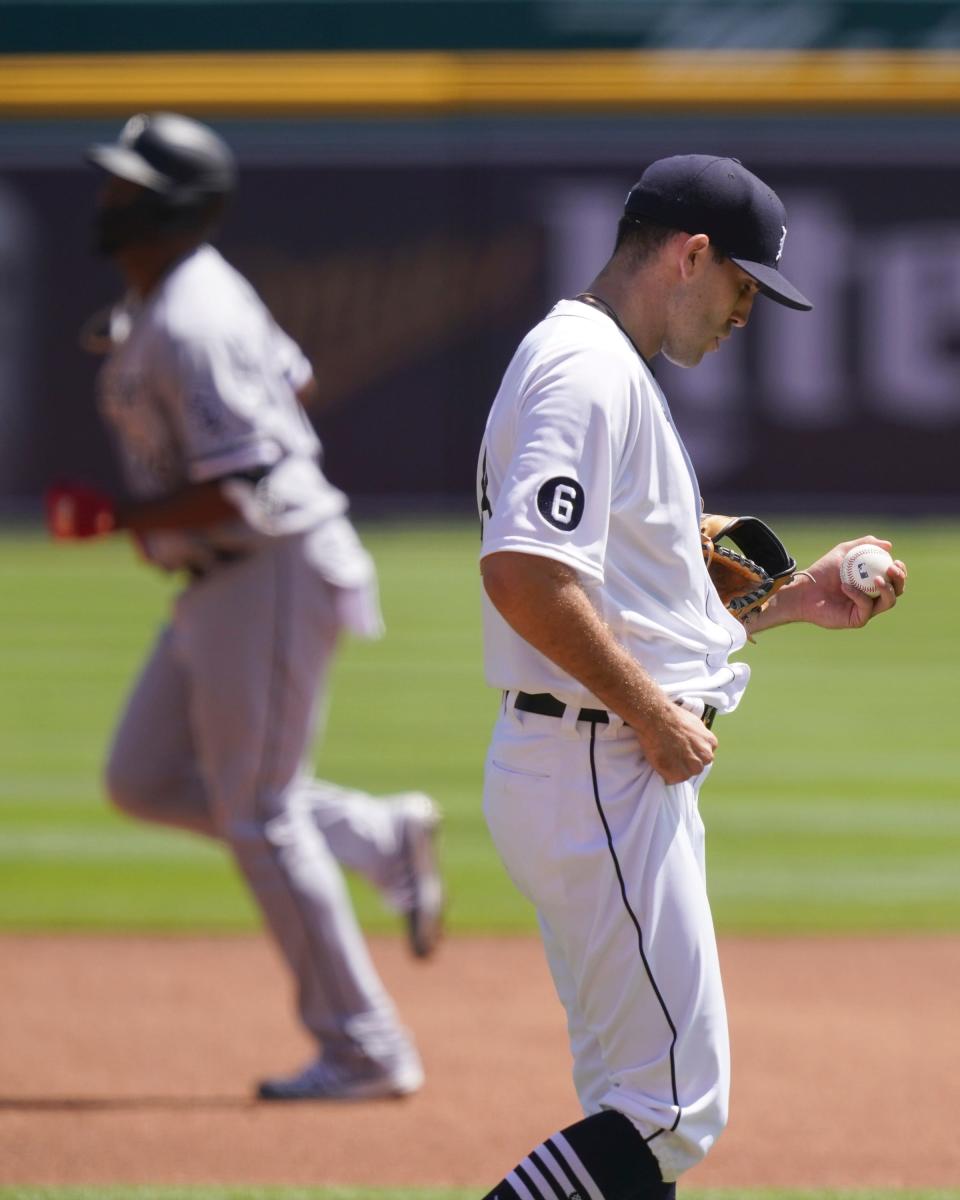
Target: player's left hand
{"x": 824, "y": 600}
{"x": 75, "y": 510}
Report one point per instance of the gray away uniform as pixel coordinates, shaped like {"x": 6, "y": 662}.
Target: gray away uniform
{"x": 201, "y": 386}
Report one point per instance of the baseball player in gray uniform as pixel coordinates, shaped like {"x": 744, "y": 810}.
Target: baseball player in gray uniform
{"x": 613, "y": 652}
{"x": 200, "y": 390}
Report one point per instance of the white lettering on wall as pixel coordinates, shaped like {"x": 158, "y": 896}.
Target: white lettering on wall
{"x": 911, "y": 324}
{"x": 803, "y": 357}
{"x": 883, "y": 339}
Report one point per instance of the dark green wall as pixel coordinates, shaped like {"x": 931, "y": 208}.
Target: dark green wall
{"x": 42, "y": 26}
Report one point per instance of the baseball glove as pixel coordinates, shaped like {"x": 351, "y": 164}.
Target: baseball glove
{"x": 745, "y": 576}
{"x": 75, "y": 510}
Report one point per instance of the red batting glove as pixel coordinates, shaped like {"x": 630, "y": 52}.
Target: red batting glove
{"x": 75, "y": 510}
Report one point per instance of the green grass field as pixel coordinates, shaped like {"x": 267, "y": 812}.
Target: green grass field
{"x": 833, "y": 805}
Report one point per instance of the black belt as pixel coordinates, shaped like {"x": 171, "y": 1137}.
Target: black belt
{"x": 546, "y": 705}
{"x": 221, "y": 558}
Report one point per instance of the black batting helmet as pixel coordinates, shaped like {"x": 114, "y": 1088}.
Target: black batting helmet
{"x": 186, "y": 169}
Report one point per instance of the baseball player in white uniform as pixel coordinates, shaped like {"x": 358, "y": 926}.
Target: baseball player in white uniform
{"x": 200, "y": 390}
{"x": 612, "y": 651}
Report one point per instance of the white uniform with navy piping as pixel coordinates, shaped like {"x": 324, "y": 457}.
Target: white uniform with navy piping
{"x": 581, "y": 463}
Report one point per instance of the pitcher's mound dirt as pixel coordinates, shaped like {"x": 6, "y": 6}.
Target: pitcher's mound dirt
{"x": 131, "y": 1060}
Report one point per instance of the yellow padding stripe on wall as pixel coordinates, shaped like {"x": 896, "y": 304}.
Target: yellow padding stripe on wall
{"x": 343, "y": 83}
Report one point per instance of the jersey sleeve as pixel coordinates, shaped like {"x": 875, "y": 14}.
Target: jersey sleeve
{"x": 218, "y": 393}
{"x": 297, "y": 368}
{"x": 555, "y": 495}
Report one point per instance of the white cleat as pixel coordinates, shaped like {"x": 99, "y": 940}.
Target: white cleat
{"x": 325, "y": 1080}
{"x": 420, "y": 897}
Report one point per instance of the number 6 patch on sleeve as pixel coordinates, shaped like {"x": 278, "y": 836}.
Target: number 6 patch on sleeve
{"x": 560, "y": 502}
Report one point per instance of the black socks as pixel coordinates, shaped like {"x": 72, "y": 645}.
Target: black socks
{"x": 600, "y": 1158}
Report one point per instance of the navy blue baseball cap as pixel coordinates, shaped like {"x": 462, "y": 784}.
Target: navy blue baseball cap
{"x": 741, "y": 215}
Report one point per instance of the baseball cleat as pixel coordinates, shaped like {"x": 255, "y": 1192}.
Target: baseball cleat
{"x": 420, "y": 897}
{"x": 326, "y": 1080}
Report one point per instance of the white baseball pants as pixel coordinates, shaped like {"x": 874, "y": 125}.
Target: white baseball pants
{"x": 612, "y": 859}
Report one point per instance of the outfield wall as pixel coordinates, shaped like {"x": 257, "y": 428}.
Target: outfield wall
{"x": 409, "y": 215}
{"x": 409, "y": 256}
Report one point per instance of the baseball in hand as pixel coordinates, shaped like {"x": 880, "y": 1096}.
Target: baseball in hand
{"x": 862, "y": 564}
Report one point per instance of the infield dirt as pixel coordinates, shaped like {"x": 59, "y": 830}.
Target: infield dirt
{"x": 131, "y": 1060}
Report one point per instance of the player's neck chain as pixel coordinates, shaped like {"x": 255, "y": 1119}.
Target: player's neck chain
{"x": 604, "y": 307}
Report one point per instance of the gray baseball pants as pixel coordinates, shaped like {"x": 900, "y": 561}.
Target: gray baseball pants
{"x": 214, "y": 738}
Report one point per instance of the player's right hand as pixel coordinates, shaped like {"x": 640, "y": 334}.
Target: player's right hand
{"x": 677, "y": 744}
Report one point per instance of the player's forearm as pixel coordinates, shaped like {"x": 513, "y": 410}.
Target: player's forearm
{"x": 190, "y": 507}
{"x": 545, "y": 603}
{"x": 783, "y": 608}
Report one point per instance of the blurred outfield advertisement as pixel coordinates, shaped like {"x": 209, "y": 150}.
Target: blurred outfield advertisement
{"x": 408, "y": 257}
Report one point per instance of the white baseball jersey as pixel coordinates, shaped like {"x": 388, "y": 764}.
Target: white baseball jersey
{"x": 200, "y": 386}
{"x": 581, "y": 463}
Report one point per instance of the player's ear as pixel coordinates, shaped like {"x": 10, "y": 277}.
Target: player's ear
{"x": 694, "y": 252}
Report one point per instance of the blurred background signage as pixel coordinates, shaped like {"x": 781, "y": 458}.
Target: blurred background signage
{"x": 420, "y": 182}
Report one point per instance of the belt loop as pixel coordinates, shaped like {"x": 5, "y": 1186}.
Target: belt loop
{"x": 509, "y": 708}
{"x": 700, "y": 708}
{"x": 568, "y": 722}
